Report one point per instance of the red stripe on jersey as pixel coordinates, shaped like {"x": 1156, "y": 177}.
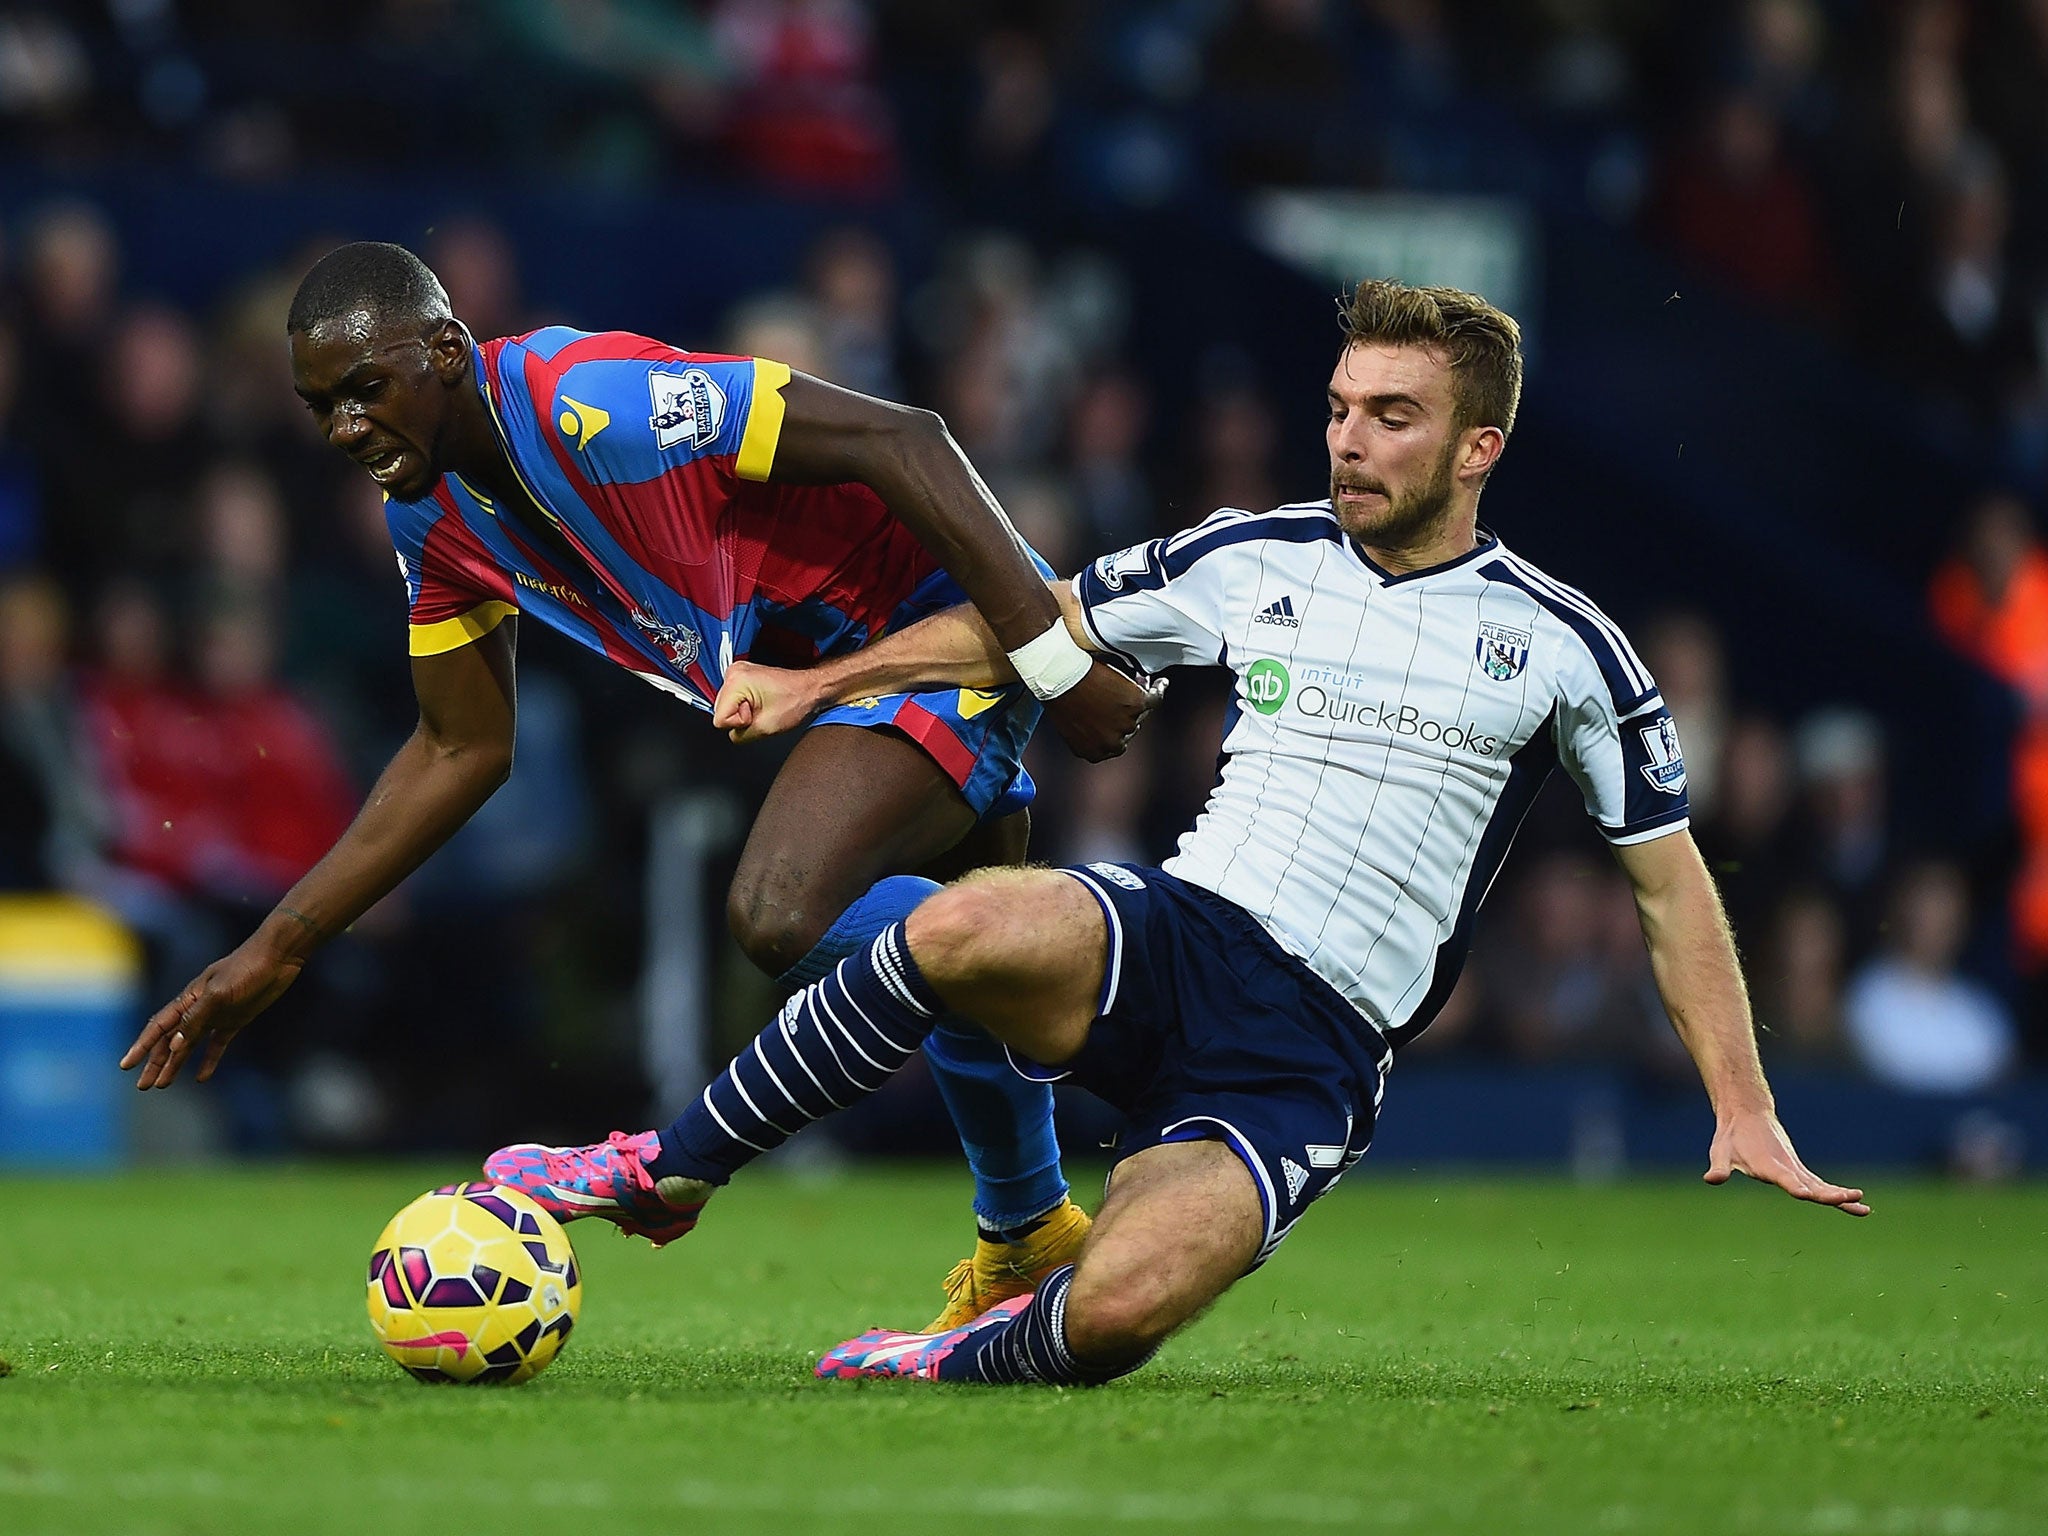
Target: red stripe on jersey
{"x": 642, "y": 514}
{"x": 457, "y": 569}
{"x": 937, "y": 738}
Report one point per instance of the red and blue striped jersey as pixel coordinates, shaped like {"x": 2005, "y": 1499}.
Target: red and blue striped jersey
{"x": 652, "y": 465}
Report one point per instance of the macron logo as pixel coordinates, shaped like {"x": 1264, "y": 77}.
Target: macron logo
{"x": 1281, "y": 613}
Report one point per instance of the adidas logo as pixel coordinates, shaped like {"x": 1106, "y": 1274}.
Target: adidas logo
{"x": 1281, "y": 612}
{"x": 1296, "y": 1177}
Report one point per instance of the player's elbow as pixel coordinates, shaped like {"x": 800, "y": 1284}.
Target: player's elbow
{"x": 483, "y": 762}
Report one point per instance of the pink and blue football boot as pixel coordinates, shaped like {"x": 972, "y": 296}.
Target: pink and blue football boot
{"x": 608, "y": 1179}
{"x": 922, "y": 1356}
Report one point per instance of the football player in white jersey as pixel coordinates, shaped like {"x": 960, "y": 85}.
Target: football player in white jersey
{"x": 1404, "y": 684}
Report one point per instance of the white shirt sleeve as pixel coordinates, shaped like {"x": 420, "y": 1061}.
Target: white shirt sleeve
{"x": 1630, "y": 768}
{"x": 1160, "y": 604}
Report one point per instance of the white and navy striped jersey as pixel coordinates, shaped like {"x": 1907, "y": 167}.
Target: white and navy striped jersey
{"x": 1388, "y": 735}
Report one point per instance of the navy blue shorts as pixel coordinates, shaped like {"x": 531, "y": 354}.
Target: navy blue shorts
{"x": 1210, "y": 1031}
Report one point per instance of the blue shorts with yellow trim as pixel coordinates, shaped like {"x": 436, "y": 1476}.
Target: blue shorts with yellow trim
{"x": 1209, "y": 1031}
{"x": 977, "y": 735}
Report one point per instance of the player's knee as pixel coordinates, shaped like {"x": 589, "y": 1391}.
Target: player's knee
{"x": 772, "y": 924}
{"x": 956, "y": 934}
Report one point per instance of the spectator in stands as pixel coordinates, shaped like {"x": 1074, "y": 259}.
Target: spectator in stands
{"x": 1236, "y": 437}
{"x": 781, "y": 325}
{"x": 852, "y": 284}
{"x": 122, "y": 502}
{"x": 1843, "y": 821}
{"x": 1571, "y": 979}
{"x": 478, "y": 267}
{"x": 1735, "y": 203}
{"x": 1914, "y": 1021}
{"x": 1684, "y": 653}
{"x": 805, "y": 114}
{"x": 241, "y": 533}
{"x": 21, "y": 508}
{"x": 1798, "y": 970}
{"x": 272, "y": 794}
{"x": 52, "y": 818}
{"x": 1969, "y": 336}
{"x": 1990, "y": 601}
{"x": 69, "y": 274}
{"x": 1744, "y": 839}
{"x": 1105, "y": 440}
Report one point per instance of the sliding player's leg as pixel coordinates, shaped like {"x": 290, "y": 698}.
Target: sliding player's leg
{"x": 1181, "y": 1223}
{"x": 1249, "y": 1086}
{"x": 1028, "y": 944}
{"x": 824, "y": 872}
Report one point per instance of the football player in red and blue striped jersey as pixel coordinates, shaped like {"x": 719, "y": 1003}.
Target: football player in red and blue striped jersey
{"x": 676, "y": 511}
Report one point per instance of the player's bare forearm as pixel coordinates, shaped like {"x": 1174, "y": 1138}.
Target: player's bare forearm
{"x": 426, "y": 792}
{"x": 952, "y": 649}
{"x": 909, "y": 459}
{"x": 1692, "y": 955}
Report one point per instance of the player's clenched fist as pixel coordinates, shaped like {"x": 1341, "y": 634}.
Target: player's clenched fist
{"x": 212, "y": 1009}
{"x": 1099, "y": 715}
{"x": 755, "y": 701}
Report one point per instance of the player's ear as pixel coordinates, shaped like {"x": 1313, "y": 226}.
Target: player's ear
{"x": 448, "y": 351}
{"x": 1483, "y": 447}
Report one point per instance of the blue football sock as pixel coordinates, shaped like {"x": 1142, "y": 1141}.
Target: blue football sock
{"x": 1031, "y": 1347}
{"x": 1004, "y": 1120}
{"x": 836, "y": 1041}
{"x": 885, "y": 902}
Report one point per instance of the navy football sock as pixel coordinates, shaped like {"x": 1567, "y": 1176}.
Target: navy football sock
{"x": 1004, "y": 1119}
{"x": 1031, "y": 1347}
{"x": 836, "y": 1041}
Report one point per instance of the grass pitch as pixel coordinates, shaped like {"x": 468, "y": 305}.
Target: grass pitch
{"x": 188, "y": 1354}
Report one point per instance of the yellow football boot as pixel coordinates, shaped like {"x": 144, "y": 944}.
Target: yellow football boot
{"x": 999, "y": 1271}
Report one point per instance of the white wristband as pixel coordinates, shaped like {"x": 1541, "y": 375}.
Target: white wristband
{"x": 1052, "y": 663}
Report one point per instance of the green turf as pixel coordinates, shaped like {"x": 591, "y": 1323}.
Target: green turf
{"x": 189, "y": 1354}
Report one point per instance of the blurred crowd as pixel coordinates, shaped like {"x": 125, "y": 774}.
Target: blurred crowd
{"x": 201, "y": 653}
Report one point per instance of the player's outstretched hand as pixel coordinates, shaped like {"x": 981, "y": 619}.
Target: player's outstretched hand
{"x": 756, "y": 701}
{"x": 211, "y": 1011}
{"x": 1099, "y": 715}
{"x": 1757, "y": 1145}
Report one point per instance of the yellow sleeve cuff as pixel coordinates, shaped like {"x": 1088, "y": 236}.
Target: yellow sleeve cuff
{"x": 764, "y": 421}
{"x": 453, "y": 634}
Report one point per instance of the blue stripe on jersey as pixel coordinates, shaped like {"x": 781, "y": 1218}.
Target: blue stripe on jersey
{"x": 1635, "y": 828}
{"x": 1572, "y": 597}
{"x": 1528, "y": 768}
{"x": 1627, "y": 685}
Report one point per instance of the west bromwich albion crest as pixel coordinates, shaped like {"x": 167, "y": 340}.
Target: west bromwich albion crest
{"x": 1666, "y": 768}
{"x": 1503, "y": 652}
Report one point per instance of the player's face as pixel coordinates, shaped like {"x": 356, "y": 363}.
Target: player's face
{"x": 1394, "y": 443}
{"x": 381, "y": 395}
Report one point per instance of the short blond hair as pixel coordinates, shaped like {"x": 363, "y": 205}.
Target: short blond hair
{"x": 1481, "y": 345}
